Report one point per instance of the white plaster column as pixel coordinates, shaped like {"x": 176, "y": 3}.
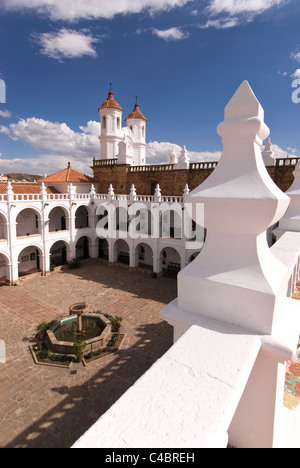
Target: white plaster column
{"x": 12, "y": 235}
{"x": 45, "y": 264}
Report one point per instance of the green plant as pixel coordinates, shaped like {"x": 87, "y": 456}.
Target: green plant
{"x": 42, "y": 329}
{"x": 74, "y": 263}
{"x": 79, "y": 347}
{"x": 116, "y": 323}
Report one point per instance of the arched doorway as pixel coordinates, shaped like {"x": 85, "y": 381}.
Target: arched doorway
{"x": 29, "y": 261}
{"x": 83, "y": 248}
{"x": 58, "y": 253}
{"x": 3, "y": 228}
{"x": 82, "y": 218}
{"x": 171, "y": 224}
{"x": 28, "y": 223}
{"x": 4, "y": 274}
{"x": 58, "y": 220}
{"x": 103, "y": 248}
{"x": 121, "y": 252}
{"x": 170, "y": 261}
{"x": 144, "y": 255}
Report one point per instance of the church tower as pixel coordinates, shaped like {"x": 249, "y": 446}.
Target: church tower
{"x": 136, "y": 122}
{"x": 111, "y": 127}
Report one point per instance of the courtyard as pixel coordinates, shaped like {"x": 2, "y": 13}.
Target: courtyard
{"x": 51, "y": 407}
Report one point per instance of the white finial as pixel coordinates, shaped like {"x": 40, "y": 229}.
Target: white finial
{"x": 111, "y": 193}
{"x": 157, "y": 193}
{"x": 133, "y": 193}
{"x": 186, "y": 190}
{"x": 267, "y": 154}
{"x": 183, "y": 160}
{"x": 9, "y": 189}
{"x": 43, "y": 189}
{"x": 236, "y": 268}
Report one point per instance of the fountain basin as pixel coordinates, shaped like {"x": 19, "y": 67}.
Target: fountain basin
{"x": 96, "y": 332}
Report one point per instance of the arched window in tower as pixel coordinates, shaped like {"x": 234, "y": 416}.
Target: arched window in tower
{"x": 143, "y": 131}
{"x": 118, "y": 122}
{"x": 104, "y": 122}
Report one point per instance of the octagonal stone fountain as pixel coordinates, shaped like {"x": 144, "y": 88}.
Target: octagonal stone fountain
{"x": 93, "y": 329}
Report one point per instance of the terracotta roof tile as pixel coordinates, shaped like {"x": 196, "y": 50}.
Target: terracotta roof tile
{"x": 136, "y": 114}
{"x": 68, "y": 175}
{"x": 110, "y": 103}
{"x": 23, "y": 189}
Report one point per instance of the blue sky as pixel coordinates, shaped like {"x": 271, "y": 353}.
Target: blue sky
{"x": 184, "y": 59}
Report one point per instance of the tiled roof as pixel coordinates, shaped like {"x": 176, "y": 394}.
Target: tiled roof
{"x": 68, "y": 175}
{"x": 136, "y": 114}
{"x": 21, "y": 188}
{"x": 110, "y": 103}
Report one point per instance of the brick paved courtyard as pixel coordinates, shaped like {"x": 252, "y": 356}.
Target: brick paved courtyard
{"x": 43, "y": 407}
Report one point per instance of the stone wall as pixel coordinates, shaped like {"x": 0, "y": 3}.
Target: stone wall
{"x": 171, "y": 181}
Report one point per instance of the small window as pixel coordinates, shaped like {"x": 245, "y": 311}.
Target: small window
{"x": 104, "y": 122}
{"x": 118, "y": 122}
{"x": 143, "y": 131}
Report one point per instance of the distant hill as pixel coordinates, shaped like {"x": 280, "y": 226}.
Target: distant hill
{"x": 22, "y": 177}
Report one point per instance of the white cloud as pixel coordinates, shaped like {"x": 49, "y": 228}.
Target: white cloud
{"x": 221, "y": 23}
{"x": 234, "y": 7}
{"x": 5, "y": 113}
{"x": 295, "y": 56}
{"x": 171, "y": 34}
{"x": 56, "y": 144}
{"x": 66, "y": 43}
{"x": 73, "y": 10}
{"x": 157, "y": 153}
{"x": 49, "y": 137}
{"x": 232, "y": 13}
{"x": 296, "y": 74}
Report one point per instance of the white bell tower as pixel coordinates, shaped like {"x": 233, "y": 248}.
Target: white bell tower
{"x": 111, "y": 127}
{"x": 136, "y": 122}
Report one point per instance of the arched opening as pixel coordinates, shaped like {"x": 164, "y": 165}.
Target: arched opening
{"x": 82, "y": 218}
{"x": 3, "y": 269}
{"x": 103, "y": 248}
{"x": 193, "y": 256}
{"x": 3, "y": 228}
{"x": 150, "y": 186}
{"x": 58, "y": 253}
{"x": 58, "y": 220}
{"x": 144, "y": 255}
{"x": 83, "y": 248}
{"x": 170, "y": 224}
{"x": 170, "y": 261}
{"x": 29, "y": 261}
{"x": 145, "y": 221}
{"x": 121, "y": 251}
{"x": 28, "y": 223}
{"x": 121, "y": 217}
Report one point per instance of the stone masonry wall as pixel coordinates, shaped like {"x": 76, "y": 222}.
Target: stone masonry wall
{"x": 172, "y": 182}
